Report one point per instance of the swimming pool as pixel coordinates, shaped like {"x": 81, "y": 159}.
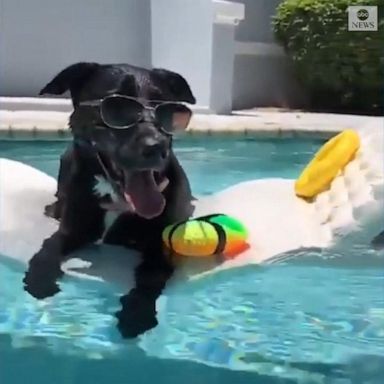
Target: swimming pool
{"x": 211, "y": 163}
{"x": 317, "y": 323}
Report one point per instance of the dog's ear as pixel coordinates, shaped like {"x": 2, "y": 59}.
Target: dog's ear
{"x": 177, "y": 85}
{"x": 71, "y": 78}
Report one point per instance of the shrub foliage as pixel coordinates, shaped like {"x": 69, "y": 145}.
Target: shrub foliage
{"x": 340, "y": 69}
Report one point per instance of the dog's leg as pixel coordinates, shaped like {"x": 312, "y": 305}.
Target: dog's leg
{"x": 82, "y": 223}
{"x": 138, "y": 311}
{"x": 65, "y": 170}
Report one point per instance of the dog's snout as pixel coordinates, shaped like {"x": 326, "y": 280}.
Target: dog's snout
{"x": 155, "y": 149}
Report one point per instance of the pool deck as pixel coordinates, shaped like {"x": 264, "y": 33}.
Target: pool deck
{"x": 47, "y": 119}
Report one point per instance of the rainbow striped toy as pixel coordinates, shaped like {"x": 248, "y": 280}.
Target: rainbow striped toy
{"x": 216, "y": 234}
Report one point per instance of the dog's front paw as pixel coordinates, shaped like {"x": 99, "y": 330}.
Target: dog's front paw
{"x": 138, "y": 315}
{"x": 40, "y": 279}
{"x": 40, "y": 287}
{"x": 53, "y": 210}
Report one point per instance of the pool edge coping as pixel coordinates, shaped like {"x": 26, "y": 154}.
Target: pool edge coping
{"x": 42, "y": 119}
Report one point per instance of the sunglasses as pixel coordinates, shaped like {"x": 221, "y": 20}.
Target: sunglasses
{"x": 122, "y": 112}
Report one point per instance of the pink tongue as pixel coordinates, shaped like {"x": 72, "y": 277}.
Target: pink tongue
{"x": 142, "y": 192}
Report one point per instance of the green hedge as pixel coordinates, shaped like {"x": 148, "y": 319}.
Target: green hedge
{"x": 341, "y": 70}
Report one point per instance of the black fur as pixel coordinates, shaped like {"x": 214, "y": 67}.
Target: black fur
{"x": 78, "y": 207}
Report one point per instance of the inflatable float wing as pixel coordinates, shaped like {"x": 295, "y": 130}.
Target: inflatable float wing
{"x": 24, "y": 192}
{"x": 338, "y": 199}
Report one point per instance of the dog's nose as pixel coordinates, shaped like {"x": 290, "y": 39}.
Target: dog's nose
{"x": 155, "y": 149}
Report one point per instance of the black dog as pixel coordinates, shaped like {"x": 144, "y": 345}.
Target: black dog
{"x": 122, "y": 127}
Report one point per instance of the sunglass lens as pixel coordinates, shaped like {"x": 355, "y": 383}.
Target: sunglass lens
{"x": 173, "y": 117}
{"x": 120, "y": 112}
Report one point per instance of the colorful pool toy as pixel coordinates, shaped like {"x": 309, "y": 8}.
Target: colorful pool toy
{"x": 207, "y": 236}
{"x": 331, "y": 159}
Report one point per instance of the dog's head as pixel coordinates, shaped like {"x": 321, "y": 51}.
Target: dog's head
{"x": 128, "y": 115}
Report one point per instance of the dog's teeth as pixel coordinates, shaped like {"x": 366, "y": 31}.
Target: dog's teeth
{"x": 163, "y": 185}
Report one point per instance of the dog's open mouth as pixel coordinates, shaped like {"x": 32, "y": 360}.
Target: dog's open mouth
{"x": 139, "y": 191}
{"x": 143, "y": 191}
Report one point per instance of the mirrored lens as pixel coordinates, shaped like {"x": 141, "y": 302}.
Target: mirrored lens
{"x": 173, "y": 116}
{"x": 120, "y": 112}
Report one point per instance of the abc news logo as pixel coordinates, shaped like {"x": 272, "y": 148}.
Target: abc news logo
{"x": 362, "y": 14}
{"x": 362, "y": 18}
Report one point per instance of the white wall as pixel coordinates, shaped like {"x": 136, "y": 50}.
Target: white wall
{"x": 196, "y": 38}
{"x": 182, "y": 41}
{"x": 263, "y": 75}
{"x": 38, "y": 38}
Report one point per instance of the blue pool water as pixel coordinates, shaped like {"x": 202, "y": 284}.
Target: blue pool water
{"x": 211, "y": 164}
{"x": 318, "y": 323}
